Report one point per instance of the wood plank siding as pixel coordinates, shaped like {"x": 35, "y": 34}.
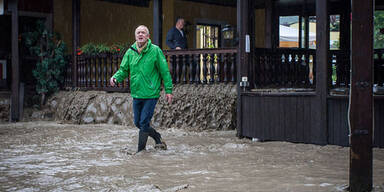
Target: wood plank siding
{"x": 278, "y": 118}
{"x": 289, "y": 118}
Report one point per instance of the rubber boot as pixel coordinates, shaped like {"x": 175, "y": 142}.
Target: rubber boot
{"x": 155, "y": 136}
{"x": 143, "y": 137}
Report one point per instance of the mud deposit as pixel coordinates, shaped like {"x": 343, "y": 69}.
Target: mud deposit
{"x": 47, "y": 156}
{"x": 205, "y": 107}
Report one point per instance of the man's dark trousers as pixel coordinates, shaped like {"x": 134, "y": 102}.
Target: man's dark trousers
{"x": 143, "y": 110}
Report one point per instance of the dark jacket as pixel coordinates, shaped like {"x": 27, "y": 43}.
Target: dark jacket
{"x": 175, "y": 39}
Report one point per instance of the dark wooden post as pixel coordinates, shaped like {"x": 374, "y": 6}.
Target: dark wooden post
{"x": 361, "y": 109}
{"x": 244, "y": 23}
{"x": 319, "y": 130}
{"x": 157, "y": 23}
{"x": 75, "y": 38}
{"x": 15, "y": 110}
{"x": 268, "y": 23}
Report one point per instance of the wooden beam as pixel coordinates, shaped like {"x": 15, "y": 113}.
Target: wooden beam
{"x": 157, "y": 23}
{"x": 319, "y": 129}
{"x": 75, "y": 38}
{"x": 244, "y": 25}
{"x": 345, "y": 27}
{"x": 268, "y": 23}
{"x": 15, "y": 108}
{"x": 361, "y": 109}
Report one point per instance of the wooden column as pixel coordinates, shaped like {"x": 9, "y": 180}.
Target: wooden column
{"x": 319, "y": 129}
{"x": 244, "y": 25}
{"x": 157, "y": 33}
{"x": 268, "y": 23}
{"x": 75, "y": 38}
{"x": 15, "y": 108}
{"x": 361, "y": 109}
{"x": 345, "y": 27}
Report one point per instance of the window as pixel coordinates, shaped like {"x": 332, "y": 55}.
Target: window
{"x": 207, "y": 36}
{"x": 289, "y": 31}
{"x": 334, "y": 31}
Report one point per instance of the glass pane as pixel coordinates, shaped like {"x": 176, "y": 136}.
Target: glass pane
{"x": 207, "y": 36}
{"x": 303, "y": 32}
{"x": 289, "y": 31}
{"x": 334, "y": 31}
{"x": 312, "y": 32}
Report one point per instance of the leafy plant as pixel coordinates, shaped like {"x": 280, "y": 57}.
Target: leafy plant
{"x": 93, "y": 49}
{"x": 50, "y": 51}
{"x": 378, "y": 30}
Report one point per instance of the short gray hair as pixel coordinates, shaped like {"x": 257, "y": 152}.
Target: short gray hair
{"x": 145, "y": 27}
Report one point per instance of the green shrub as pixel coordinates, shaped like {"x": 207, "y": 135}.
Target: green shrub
{"x": 50, "y": 51}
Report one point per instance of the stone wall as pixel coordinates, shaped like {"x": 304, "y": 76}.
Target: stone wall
{"x": 202, "y": 107}
{"x": 4, "y": 106}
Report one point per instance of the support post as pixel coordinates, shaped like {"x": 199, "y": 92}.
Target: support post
{"x": 268, "y": 23}
{"x": 319, "y": 130}
{"x": 15, "y": 108}
{"x": 244, "y": 51}
{"x": 361, "y": 109}
{"x": 75, "y": 38}
{"x": 157, "y": 22}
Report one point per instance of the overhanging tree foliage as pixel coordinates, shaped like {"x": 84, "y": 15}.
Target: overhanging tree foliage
{"x": 379, "y": 30}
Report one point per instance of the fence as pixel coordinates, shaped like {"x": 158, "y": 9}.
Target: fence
{"x": 341, "y": 67}
{"x": 271, "y": 68}
{"x": 204, "y": 66}
{"x": 278, "y": 68}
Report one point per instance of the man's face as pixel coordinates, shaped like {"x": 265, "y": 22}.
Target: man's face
{"x": 180, "y": 24}
{"x": 141, "y": 34}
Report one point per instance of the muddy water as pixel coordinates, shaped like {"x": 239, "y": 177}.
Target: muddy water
{"x": 46, "y": 156}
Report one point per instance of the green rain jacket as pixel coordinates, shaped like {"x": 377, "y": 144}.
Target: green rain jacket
{"x": 146, "y": 70}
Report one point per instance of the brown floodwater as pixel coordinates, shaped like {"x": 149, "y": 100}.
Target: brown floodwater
{"x": 49, "y": 156}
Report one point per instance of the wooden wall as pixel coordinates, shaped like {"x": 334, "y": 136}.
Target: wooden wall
{"x": 280, "y": 118}
{"x": 293, "y": 119}
{"x": 338, "y": 122}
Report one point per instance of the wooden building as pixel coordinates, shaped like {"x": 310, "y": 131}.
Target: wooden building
{"x": 295, "y": 94}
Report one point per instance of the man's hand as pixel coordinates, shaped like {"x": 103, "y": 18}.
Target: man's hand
{"x": 178, "y": 48}
{"x": 168, "y": 97}
{"x": 112, "y": 81}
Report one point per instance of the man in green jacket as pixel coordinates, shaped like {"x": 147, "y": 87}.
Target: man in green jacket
{"x": 146, "y": 65}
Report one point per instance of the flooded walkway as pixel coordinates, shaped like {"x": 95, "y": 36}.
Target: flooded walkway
{"x": 48, "y": 156}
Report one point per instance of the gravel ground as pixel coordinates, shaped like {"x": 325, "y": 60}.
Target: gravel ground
{"x": 49, "y": 156}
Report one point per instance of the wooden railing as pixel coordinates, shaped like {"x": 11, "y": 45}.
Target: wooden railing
{"x": 271, "y": 68}
{"x": 206, "y": 66}
{"x": 339, "y": 73}
{"x": 338, "y": 69}
{"x": 94, "y": 71}
{"x": 379, "y": 67}
{"x": 283, "y": 68}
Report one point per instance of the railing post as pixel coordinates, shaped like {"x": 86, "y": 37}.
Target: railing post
{"x": 105, "y": 69}
{"x": 233, "y": 69}
{"x": 190, "y": 60}
{"x": 212, "y": 68}
{"x": 218, "y": 68}
{"x": 177, "y": 68}
{"x": 183, "y": 69}
{"x": 197, "y": 65}
{"x": 225, "y": 68}
{"x": 205, "y": 68}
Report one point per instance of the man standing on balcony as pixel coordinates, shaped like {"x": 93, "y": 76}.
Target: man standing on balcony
{"x": 176, "y": 36}
{"x": 145, "y": 63}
